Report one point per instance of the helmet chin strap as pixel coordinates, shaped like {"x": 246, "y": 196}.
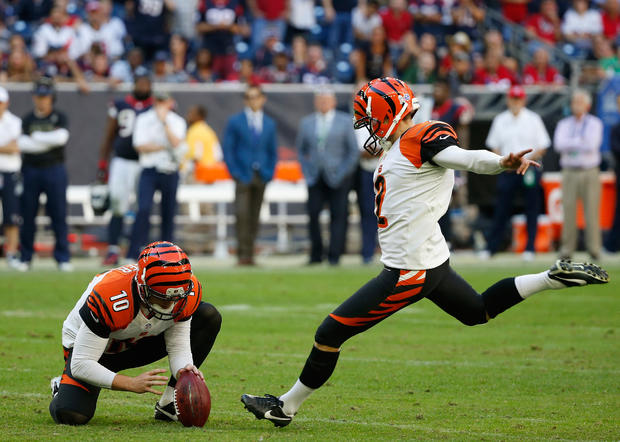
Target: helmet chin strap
{"x": 384, "y": 142}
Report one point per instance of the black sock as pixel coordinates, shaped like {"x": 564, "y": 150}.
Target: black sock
{"x": 319, "y": 367}
{"x": 501, "y": 296}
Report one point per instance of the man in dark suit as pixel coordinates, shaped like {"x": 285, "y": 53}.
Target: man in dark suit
{"x": 327, "y": 150}
{"x": 249, "y": 147}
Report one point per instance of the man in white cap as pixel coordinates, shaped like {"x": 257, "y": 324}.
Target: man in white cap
{"x": 10, "y": 164}
{"x": 515, "y": 129}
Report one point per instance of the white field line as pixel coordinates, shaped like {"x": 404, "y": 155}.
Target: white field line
{"x": 427, "y": 363}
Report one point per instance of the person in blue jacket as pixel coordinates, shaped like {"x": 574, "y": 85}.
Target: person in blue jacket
{"x": 250, "y": 153}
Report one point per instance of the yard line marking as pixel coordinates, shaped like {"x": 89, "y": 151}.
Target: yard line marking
{"x": 431, "y": 363}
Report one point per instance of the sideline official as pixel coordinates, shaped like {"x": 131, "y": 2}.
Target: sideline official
{"x": 159, "y": 138}
{"x": 42, "y": 144}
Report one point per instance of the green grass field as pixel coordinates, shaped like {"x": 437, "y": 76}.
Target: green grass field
{"x": 547, "y": 369}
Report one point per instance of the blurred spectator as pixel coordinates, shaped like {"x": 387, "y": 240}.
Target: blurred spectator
{"x": 328, "y": 153}
{"x": 122, "y": 71}
{"x": 58, "y": 64}
{"x": 513, "y": 131}
{"x": 398, "y": 23}
{"x": 203, "y": 147}
{"x": 458, "y": 42}
{"x": 372, "y": 58}
{"x": 159, "y": 138}
{"x": 280, "y": 71}
{"x": 515, "y": 10}
{"x": 462, "y": 71}
{"x": 217, "y": 27}
{"x": 264, "y": 54}
{"x": 163, "y": 71}
{"x": 301, "y": 19}
{"x": 612, "y": 242}
{"x": 315, "y": 70}
{"x": 338, "y": 16}
{"x": 124, "y": 167}
{"x": 55, "y": 34}
{"x": 494, "y": 72}
{"x": 178, "y": 54}
{"x": 268, "y": 19}
{"x": 466, "y": 15}
{"x": 184, "y": 18}
{"x": 5, "y": 37}
{"x": 428, "y": 43}
{"x": 458, "y": 114}
{"x": 610, "y": 17}
{"x": 608, "y": 63}
{"x": 546, "y": 24}
{"x": 299, "y": 48}
{"x": 10, "y": 164}
{"x": 365, "y": 18}
{"x": 42, "y": 145}
{"x": 246, "y": 73}
{"x": 494, "y": 41}
{"x": 32, "y": 11}
{"x": 578, "y": 140}
{"x": 580, "y": 24}
{"x": 427, "y": 15}
{"x": 147, "y": 25}
{"x": 203, "y": 72}
{"x": 250, "y": 153}
{"x": 94, "y": 65}
{"x": 99, "y": 28}
{"x": 540, "y": 71}
{"x": 19, "y": 67}
{"x": 421, "y": 70}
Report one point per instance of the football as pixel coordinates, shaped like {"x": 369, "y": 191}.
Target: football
{"x": 192, "y": 400}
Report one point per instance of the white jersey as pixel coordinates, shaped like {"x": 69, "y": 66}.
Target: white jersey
{"x": 110, "y": 307}
{"x": 10, "y": 130}
{"x": 412, "y": 193}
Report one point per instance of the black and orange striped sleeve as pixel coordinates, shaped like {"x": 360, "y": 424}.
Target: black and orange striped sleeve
{"x": 97, "y": 315}
{"x": 437, "y": 137}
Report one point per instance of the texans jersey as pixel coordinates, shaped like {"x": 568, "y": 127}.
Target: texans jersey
{"x": 411, "y": 194}
{"x": 110, "y": 308}
{"x": 125, "y": 112}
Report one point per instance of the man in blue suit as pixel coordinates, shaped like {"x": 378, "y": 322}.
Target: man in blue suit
{"x": 327, "y": 150}
{"x": 249, "y": 147}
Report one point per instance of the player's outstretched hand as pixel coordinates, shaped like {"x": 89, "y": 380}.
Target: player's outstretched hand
{"x": 518, "y": 162}
{"x": 192, "y": 368}
{"x": 143, "y": 383}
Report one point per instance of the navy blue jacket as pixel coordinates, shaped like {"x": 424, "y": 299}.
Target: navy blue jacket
{"x": 242, "y": 151}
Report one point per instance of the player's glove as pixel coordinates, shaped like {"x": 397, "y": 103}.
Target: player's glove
{"x": 102, "y": 171}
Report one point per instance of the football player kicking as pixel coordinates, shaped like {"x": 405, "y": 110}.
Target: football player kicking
{"x": 413, "y": 185}
{"x": 129, "y": 317}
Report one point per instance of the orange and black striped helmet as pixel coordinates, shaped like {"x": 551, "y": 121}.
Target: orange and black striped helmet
{"x": 380, "y": 106}
{"x": 164, "y": 273}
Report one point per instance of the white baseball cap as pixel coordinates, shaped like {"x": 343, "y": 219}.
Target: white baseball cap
{"x": 4, "y": 95}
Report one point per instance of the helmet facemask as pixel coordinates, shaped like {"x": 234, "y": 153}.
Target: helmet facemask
{"x": 177, "y": 296}
{"x": 373, "y": 143}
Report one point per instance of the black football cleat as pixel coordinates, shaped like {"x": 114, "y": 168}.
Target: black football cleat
{"x": 166, "y": 413}
{"x": 573, "y": 274}
{"x": 267, "y": 407}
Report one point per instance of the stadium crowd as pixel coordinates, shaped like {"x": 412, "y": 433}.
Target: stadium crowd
{"x": 307, "y": 41}
{"x": 439, "y": 42}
